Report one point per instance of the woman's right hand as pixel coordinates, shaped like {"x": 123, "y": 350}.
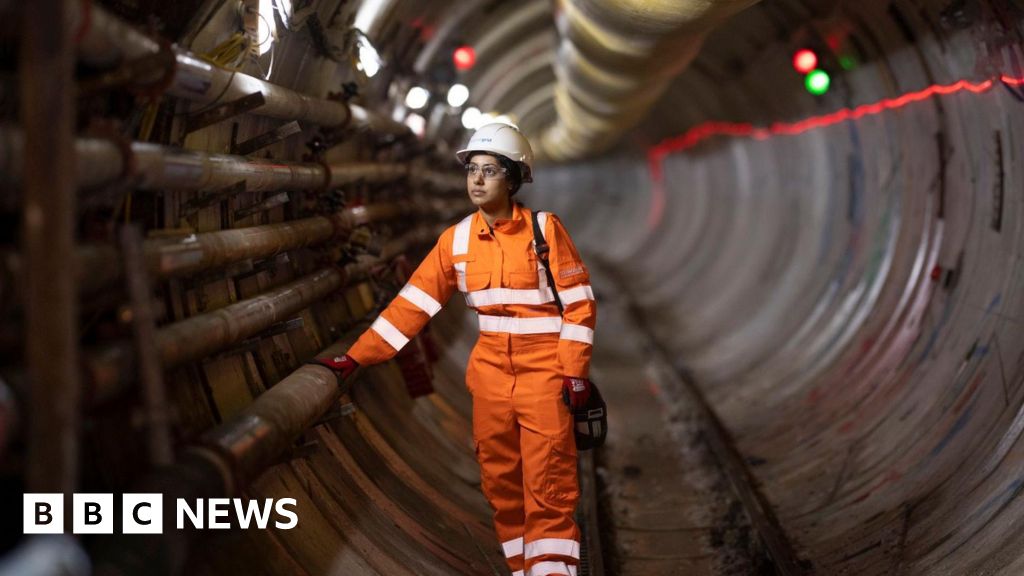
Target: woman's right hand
{"x": 343, "y": 366}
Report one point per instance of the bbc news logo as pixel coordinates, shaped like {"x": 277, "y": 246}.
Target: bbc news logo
{"x": 144, "y": 514}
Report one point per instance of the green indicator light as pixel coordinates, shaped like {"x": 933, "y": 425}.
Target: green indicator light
{"x": 817, "y": 82}
{"x": 847, "y": 62}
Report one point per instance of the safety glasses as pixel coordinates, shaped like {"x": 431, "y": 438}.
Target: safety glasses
{"x": 491, "y": 172}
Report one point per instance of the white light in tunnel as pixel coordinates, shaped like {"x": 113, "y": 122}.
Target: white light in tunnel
{"x": 369, "y": 12}
{"x": 505, "y": 119}
{"x": 369, "y": 60}
{"x": 458, "y": 94}
{"x": 266, "y": 27}
{"x": 471, "y": 118}
{"x": 417, "y": 97}
{"x": 416, "y": 123}
{"x": 284, "y": 10}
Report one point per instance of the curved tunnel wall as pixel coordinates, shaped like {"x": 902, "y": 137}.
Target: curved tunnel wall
{"x": 848, "y": 299}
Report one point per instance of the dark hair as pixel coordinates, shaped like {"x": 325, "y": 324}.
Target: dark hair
{"x": 515, "y": 172}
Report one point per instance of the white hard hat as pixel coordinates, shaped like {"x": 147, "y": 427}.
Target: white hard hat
{"x": 504, "y": 139}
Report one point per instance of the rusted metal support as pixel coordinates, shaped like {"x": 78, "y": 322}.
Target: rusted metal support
{"x": 206, "y": 200}
{"x": 154, "y": 167}
{"x": 108, "y": 41}
{"x": 270, "y": 203}
{"x": 157, "y": 411}
{"x": 47, "y": 115}
{"x": 224, "y": 111}
{"x": 274, "y": 136}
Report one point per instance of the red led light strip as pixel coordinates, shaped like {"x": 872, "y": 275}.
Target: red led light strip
{"x": 657, "y": 153}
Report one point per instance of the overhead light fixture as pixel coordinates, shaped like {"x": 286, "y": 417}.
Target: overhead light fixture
{"x": 471, "y": 118}
{"x": 416, "y": 123}
{"x": 504, "y": 119}
{"x": 458, "y": 94}
{"x": 417, "y": 97}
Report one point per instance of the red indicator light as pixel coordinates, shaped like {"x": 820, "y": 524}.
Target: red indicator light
{"x": 804, "y": 61}
{"x": 464, "y": 57}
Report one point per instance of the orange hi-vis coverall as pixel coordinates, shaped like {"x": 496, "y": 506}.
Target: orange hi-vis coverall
{"x": 522, "y": 430}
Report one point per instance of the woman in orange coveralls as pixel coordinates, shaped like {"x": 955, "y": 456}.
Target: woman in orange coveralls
{"x": 530, "y": 361}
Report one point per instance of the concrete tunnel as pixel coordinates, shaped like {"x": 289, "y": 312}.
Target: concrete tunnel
{"x": 810, "y": 284}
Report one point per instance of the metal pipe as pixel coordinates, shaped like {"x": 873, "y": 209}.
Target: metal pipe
{"x": 615, "y": 61}
{"x": 97, "y": 266}
{"x": 48, "y": 115}
{"x": 154, "y": 167}
{"x": 266, "y": 429}
{"x": 110, "y": 369}
{"x": 107, "y": 41}
{"x": 225, "y": 460}
{"x": 151, "y": 376}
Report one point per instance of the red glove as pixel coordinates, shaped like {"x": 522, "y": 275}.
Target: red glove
{"x": 575, "y": 392}
{"x": 343, "y": 366}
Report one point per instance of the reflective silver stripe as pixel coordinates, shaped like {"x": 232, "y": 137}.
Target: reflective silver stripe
{"x": 460, "y": 275}
{"x": 512, "y": 547}
{"x": 389, "y": 333}
{"x": 577, "y": 333}
{"x": 420, "y": 299}
{"x": 546, "y": 568}
{"x": 519, "y": 573}
{"x": 460, "y": 244}
{"x": 541, "y": 325}
{"x": 576, "y": 294}
{"x": 542, "y": 219}
{"x": 559, "y": 546}
{"x": 494, "y": 296}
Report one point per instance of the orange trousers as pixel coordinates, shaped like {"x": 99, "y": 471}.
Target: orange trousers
{"x": 523, "y": 434}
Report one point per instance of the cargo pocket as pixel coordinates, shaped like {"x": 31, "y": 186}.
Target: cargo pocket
{"x": 561, "y": 484}
{"x": 485, "y": 484}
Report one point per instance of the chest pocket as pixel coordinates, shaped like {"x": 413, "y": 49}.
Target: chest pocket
{"x": 468, "y": 275}
{"x": 522, "y": 280}
{"x": 523, "y": 274}
{"x": 477, "y": 281}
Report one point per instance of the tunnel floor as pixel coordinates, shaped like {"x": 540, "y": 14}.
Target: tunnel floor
{"x": 666, "y": 507}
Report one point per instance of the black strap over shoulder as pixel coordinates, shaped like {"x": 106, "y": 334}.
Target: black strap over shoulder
{"x": 540, "y": 246}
